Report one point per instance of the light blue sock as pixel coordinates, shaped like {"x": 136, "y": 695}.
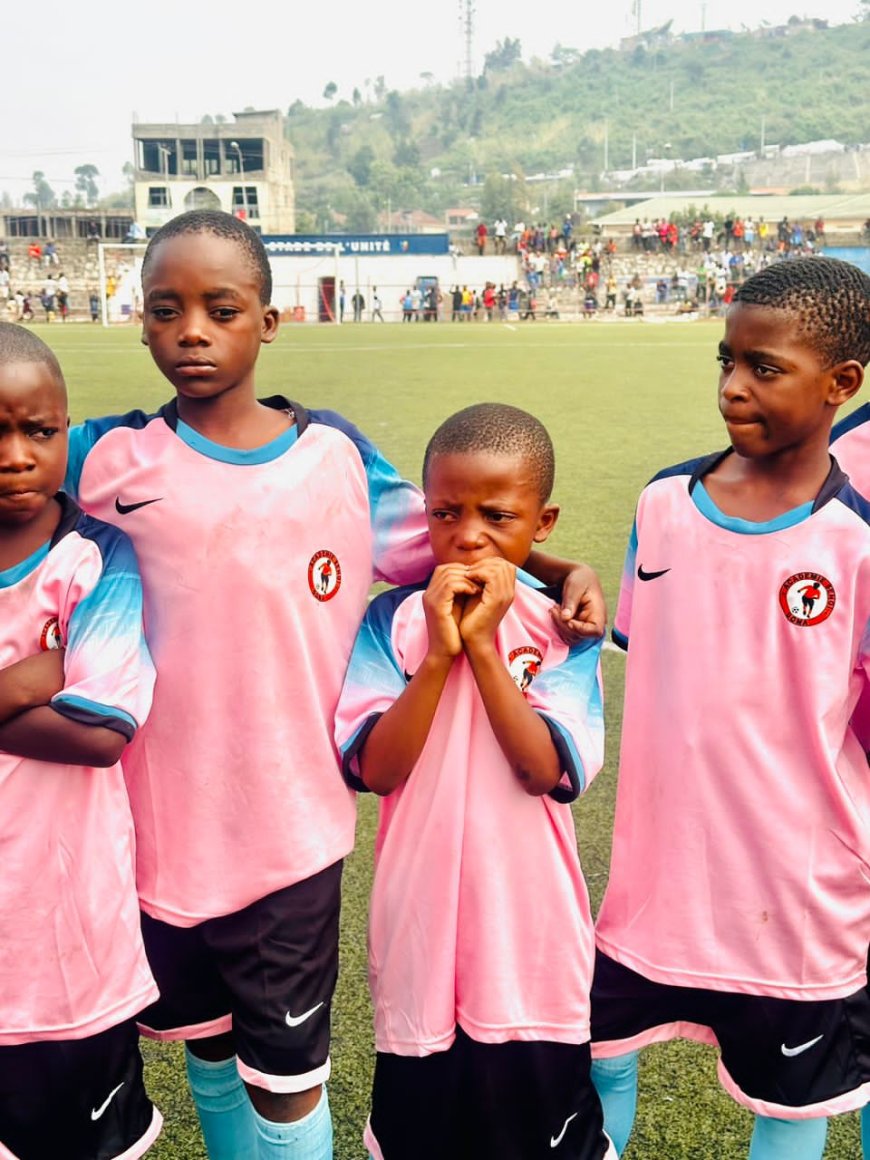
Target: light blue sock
{"x": 224, "y": 1109}
{"x": 788, "y": 1139}
{"x": 307, "y": 1139}
{"x": 865, "y": 1131}
{"x": 616, "y": 1083}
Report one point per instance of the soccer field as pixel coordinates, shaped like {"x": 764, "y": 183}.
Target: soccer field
{"x": 621, "y": 399}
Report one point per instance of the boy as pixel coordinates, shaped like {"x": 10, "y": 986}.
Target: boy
{"x": 478, "y": 725}
{"x": 258, "y": 525}
{"x": 751, "y": 931}
{"x": 73, "y": 972}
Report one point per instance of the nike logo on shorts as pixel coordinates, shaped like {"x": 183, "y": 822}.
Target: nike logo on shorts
{"x": 96, "y": 1113}
{"x": 641, "y": 575}
{"x": 124, "y": 509}
{"x": 296, "y": 1020}
{"x": 801, "y": 1047}
{"x": 555, "y": 1141}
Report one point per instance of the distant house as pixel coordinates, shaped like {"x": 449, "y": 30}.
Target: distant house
{"x": 461, "y": 217}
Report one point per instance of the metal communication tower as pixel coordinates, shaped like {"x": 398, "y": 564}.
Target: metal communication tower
{"x": 466, "y": 25}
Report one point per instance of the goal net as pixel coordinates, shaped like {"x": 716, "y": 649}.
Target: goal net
{"x": 120, "y": 274}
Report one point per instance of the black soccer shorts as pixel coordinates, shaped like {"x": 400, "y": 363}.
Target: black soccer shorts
{"x": 784, "y": 1058}
{"x": 267, "y": 972}
{"x": 77, "y": 1098}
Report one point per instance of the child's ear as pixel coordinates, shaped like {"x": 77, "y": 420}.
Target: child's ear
{"x": 847, "y": 378}
{"x": 270, "y": 324}
{"x": 546, "y": 522}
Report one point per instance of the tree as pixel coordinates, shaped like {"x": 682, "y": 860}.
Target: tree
{"x": 43, "y": 196}
{"x": 505, "y": 54}
{"x": 357, "y": 97}
{"x": 330, "y": 91}
{"x": 86, "y": 184}
{"x": 360, "y": 165}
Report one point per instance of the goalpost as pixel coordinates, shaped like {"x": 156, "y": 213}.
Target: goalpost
{"x": 120, "y": 274}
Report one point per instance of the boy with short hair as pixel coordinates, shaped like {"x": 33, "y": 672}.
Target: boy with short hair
{"x": 258, "y": 525}
{"x": 75, "y": 686}
{"x": 748, "y": 926}
{"x": 476, "y": 722}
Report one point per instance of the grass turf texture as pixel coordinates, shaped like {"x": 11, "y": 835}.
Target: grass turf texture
{"x": 620, "y": 400}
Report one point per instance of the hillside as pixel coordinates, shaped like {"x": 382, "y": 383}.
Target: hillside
{"x": 680, "y": 98}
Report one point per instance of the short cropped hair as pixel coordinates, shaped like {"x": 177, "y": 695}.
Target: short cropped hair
{"x": 20, "y": 345}
{"x": 221, "y": 225}
{"x": 829, "y": 300}
{"x": 497, "y": 429}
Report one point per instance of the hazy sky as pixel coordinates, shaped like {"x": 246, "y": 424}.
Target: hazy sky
{"x": 77, "y": 75}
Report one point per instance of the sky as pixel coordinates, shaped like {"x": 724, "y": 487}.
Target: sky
{"x": 75, "y": 79}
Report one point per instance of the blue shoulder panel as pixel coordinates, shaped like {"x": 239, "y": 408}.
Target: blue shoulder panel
{"x": 862, "y": 415}
{"x": 84, "y": 436}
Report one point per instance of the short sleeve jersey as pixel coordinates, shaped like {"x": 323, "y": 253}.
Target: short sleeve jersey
{"x": 72, "y": 962}
{"x": 741, "y": 835}
{"x": 256, "y": 568}
{"x": 479, "y": 912}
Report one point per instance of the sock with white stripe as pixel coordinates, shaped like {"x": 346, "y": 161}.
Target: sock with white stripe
{"x": 616, "y": 1083}
{"x": 224, "y": 1109}
{"x": 788, "y": 1139}
{"x": 307, "y": 1139}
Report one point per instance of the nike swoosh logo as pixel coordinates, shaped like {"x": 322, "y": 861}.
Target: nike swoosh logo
{"x": 801, "y": 1047}
{"x": 295, "y": 1020}
{"x": 641, "y": 575}
{"x": 124, "y": 509}
{"x": 555, "y": 1141}
{"x": 96, "y": 1113}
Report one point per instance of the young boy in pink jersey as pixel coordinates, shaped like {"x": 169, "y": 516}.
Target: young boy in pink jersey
{"x": 75, "y": 685}
{"x": 258, "y": 525}
{"x": 464, "y": 708}
{"x": 737, "y": 910}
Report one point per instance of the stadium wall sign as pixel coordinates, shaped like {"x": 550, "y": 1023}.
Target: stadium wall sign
{"x": 367, "y": 245}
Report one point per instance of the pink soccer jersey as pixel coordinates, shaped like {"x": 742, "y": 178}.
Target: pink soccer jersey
{"x": 72, "y": 962}
{"x": 479, "y": 912}
{"x": 256, "y": 567}
{"x": 741, "y": 838}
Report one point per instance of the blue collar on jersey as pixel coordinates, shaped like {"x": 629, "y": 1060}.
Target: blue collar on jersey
{"x": 207, "y": 447}
{"x": 834, "y": 483}
{"x": 70, "y": 513}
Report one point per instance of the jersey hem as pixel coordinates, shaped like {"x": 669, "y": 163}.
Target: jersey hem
{"x": 164, "y": 913}
{"x": 106, "y": 1020}
{"x": 703, "y": 982}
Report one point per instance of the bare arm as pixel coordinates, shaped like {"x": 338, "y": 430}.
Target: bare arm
{"x": 395, "y": 743}
{"x": 30, "y": 682}
{"x": 45, "y": 735}
{"x": 583, "y": 612}
{"x": 522, "y": 734}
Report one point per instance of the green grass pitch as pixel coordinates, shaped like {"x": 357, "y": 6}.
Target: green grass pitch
{"x": 620, "y": 400}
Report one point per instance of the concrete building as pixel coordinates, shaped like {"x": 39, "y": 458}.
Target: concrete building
{"x": 244, "y": 167}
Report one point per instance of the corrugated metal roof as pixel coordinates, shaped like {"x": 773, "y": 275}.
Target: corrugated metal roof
{"x": 803, "y": 207}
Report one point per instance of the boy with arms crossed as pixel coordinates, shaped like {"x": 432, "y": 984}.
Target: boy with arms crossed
{"x": 478, "y": 725}
{"x": 751, "y": 930}
{"x": 258, "y": 526}
{"x": 75, "y": 685}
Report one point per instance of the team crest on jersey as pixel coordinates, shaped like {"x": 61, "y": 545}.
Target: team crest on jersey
{"x": 807, "y": 598}
{"x": 50, "y": 637}
{"x": 524, "y": 664}
{"x": 324, "y": 575}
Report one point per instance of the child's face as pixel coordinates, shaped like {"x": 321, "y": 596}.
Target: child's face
{"x": 481, "y": 505}
{"x": 776, "y": 393}
{"x": 33, "y": 440}
{"x": 203, "y": 318}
